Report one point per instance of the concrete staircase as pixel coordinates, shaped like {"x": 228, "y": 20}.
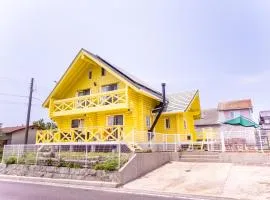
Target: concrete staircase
{"x": 199, "y": 156}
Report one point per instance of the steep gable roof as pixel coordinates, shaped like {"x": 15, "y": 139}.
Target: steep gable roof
{"x": 127, "y": 78}
{"x": 235, "y": 105}
{"x": 180, "y": 102}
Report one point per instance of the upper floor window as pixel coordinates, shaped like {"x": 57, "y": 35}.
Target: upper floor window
{"x": 167, "y": 123}
{"x": 148, "y": 122}
{"x": 111, "y": 87}
{"x": 103, "y": 72}
{"x": 83, "y": 92}
{"x": 90, "y": 74}
{"x": 115, "y": 120}
{"x": 267, "y": 121}
{"x": 234, "y": 114}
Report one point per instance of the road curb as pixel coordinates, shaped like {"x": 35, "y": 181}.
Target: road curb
{"x": 61, "y": 181}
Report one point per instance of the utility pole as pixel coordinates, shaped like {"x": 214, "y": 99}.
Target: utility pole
{"x": 29, "y": 111}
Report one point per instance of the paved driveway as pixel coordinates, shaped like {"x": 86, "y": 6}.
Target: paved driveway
{"x": 213, "y": 179}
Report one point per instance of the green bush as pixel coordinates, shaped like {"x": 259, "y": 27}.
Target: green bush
{"x": 49, "y": 162}
{"x": 11, "y": 160}
{"x": 21, "y": 161}
{"x": 61, "y": 163}
{"x": 73, "y": 165}
{"x": 108, "y": 165}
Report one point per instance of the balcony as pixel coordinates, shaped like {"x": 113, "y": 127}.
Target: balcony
{"x": 80, "y": 135}
{"x": 112, "y": 100}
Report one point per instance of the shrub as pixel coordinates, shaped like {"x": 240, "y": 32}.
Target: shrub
{"x": 21, "y": 161}
{"x": 108, "y": 165}
{"x": 73, "y": 165}
{"x": 61, "y": 163}
{"x": 49, "y": 162}
{"x": 11, "y": 160}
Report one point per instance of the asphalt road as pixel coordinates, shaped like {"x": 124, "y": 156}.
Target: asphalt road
{"x": 26, "y": 191}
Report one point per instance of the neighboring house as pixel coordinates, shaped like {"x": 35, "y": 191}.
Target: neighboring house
{"x": 95, "y": 101}
{"x": 16, "y": 135}
{"x": 209, "y": 122}
{"x": 264, "y": 120}
{"x": 212, "y": 120}
{"x": 232, "y": 109}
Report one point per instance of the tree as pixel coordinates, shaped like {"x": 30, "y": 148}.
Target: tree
{"x": 42, "y": 125}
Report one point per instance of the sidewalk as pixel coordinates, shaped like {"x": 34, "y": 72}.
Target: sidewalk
{"x": 210, "y": 179}
{"x": 59, "y": 181}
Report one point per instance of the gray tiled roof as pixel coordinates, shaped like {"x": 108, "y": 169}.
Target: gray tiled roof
{"x": 128, "y": 77}
{"x": 208, "y": 117}
{"x": 179, "y": 101}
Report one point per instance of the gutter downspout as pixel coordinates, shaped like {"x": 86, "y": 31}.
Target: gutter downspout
{"x": 164, "y": 103}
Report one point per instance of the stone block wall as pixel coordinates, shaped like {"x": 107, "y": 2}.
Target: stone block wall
{"x": 58, "y": 172}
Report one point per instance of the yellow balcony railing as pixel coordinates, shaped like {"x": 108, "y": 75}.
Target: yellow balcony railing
{"x": 77, "y": 135}
{"x": 90, "y": 103}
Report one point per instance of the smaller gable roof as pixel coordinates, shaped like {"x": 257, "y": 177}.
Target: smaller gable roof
{"x": 208, "y": 117}
{"x": 180, "y": 102}
{"x": 235, "y": 105}
{"x": 13, "y": 129}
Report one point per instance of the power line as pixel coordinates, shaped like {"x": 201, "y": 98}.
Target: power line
{"x": 17, "y": 95}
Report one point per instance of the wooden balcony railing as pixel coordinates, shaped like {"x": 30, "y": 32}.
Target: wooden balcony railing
{"x": 77, "y": 135}
{"x": 90, "y": 103}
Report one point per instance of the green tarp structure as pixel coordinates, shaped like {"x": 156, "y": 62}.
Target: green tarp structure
{"x": 243, "y": 121}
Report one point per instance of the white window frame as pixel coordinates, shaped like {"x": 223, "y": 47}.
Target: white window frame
{"x": 108, "y": 116}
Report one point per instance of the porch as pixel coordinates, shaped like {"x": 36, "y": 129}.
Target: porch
{"x": 112, "y": 100}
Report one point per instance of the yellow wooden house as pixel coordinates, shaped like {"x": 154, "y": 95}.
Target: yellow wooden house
{"x": 96, "y": 102}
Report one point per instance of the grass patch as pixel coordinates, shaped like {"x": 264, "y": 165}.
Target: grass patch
{"x": 108, "y": 165}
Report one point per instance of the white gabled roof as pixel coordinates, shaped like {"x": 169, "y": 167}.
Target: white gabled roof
{"x": 179, "y": 102}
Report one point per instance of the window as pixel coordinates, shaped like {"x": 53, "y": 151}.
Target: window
{"x": 77, "y": 123}
{"x": 111, "y": 87}
{"x": 83, "y": 92}
{"x": 267, "y": 121}
{"x": 90, "y": 75}
{"x": 103, "y": 72}
{"x": 167, "y": 123}
{"x": 115, "y": 120}
{"x": 232, "y": 114}
{"x": 185, "y": 124}
{"x": 148, "y": 122}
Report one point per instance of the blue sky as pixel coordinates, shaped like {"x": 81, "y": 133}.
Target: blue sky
{"x": 220, "y": 47}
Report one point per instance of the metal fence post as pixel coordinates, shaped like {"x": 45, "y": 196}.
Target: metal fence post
{"x": 36, "y": 155}
{"x": 223, "y": 149}
{"x": 18, "y": 148}
{"x": 86, "y": 155}
{"x": 119, "y": 153}
{"x": 260, "y": 136}
{"x": 4, "y": 154}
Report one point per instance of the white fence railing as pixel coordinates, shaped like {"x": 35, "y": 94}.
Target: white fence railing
{"x": 73, "y": 156}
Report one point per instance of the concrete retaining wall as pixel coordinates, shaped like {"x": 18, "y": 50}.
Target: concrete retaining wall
{"x": 245, "y": 158}
{"x": 142, "y": 163}
{"x": 58, "y": 172}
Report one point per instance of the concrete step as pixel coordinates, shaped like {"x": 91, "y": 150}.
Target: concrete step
{"x": 200, "y": 156}
{"x": 199, "y": 153}
{"x": 197, "y": 160}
